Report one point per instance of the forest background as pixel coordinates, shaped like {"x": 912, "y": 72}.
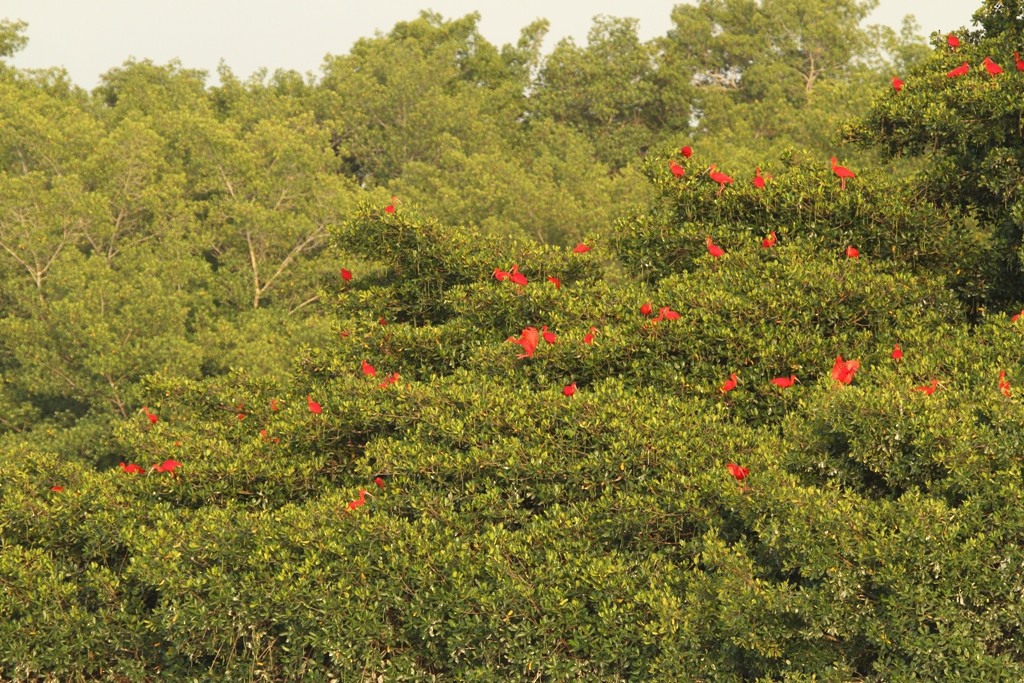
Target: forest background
{"x": 212, "y": 277}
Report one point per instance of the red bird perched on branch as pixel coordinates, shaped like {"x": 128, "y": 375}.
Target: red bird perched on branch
{"x": 1004, "y": 384}
{"x": 390, "y": 208}
{"x": 346, "y": 274}
{"x": 686, "y": 151}
{"x": 769, "y": 241}
{"x": 548, "y": 335}
{"x": 359, "y": 502}
{"x": 1020, "y": 62}
{"x": 843, "y": 370}
{"x": 665, "y": 313}
{"x": 588, "y": 338}
{"x": 517, "y": 277}
{"x": 842, "y": 173}
{"x": 131, "y": 468}
{"x": 784, "y": 382}
{"x": 314, "y": 407}
{"x": 646, "y": 309}
{"x": 501, "y": 275}
{"x": 368, "y": 369}
{"x": 528, "y": 340}
{"x": 897, "y": 83}
{"x": 991, "y": 67}
{"x": 852, "y": 252}
{"x": 740, "y": 473}
{"x": 928, "y": 389}
{"x": 166, "y": 466}
{"x": 759, "y": 179}
{"x": 580, "y": 248}
{"x": 952, "y": 41}
{"x": 959, "y": 71}
{"x": 390, "y": 379}
{"x": 713, "y": 249}
{"x": 153, "y": 419}
{"x": 897, "y": 352}
{"x": 555, "y": 281}
{"x": 677, "y": 170}
{"x": 729, "y": 384}
{"x": 719, "y": 178}
{"x": 569, "y": 389}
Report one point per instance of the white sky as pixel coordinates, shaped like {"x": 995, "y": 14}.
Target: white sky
{"x": 88, "y": 37}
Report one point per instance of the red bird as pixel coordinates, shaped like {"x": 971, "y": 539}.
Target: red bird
{"x": 928, "y": 389}
{"x": 991, "y": 67}
{"x": 843, "y": 370}
{"x": 166, "y": 466}
{"x": 517, "y": 277}
{"x": 686, "y": 151}
{"x": 842, "y": 173}
{"x": 1016, "y": 316}
{"x": 500, "y": 275}
{"x": 769, "y": 241}
{"x": 897, "y": 84}
{"x": 580, "y": 248}
{"x": 379, "y": 482}
{"x": 57, "y": 489}
{"x": 569, "y": 389}
{"x": 730, "y": 384}
{"x": 719, "y": 178}
{"x": 784, "y": 382}
{"x": 1004, "y": 384}
{"x": 555, "y": 281}
{"x": 369, "y": 370}
{"x": 952, "y": 41}
{"x": 714, "y": 249}
{"x": 346, "y": 274}
{"x": 390, "y": 379}
{"x": 528, "y": 340}
{"x": 390, "y": 208}
{"x": 677, "y": 170}
{"x": 548, "y": 335}
{"x": 131, "y": 468}
{"x": 758, "y": 178}
{"x": 740, "y": 473}
{"x": 588, "y": 338}
{"x": 897, "y": 352}
{"x": 959, "y": 71}
{"x": 153, "y": 419}
{"x": 665, "y": 313}
{"x": 1020, "y": 62}
{"x": 273, "y": 405}
{"x": 852, "y": 252}
{"x": 359, "y": 502}
{"x": 646, "y": 309}
{"x": 314, "y": 407}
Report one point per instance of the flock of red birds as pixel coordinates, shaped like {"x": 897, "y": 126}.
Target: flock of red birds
{"x": 842, "y": 370}
{"x": 991, "y": 67}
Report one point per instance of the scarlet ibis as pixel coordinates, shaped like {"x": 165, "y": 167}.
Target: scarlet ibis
{"x": 758, "y": 178}
{"x": 153, "y": 419}
{"x": 897, "y": 352}
{"x": 928, "y": 389}
{"x": 555, "y": 281}
{"x": 346, "y": 274}
{"x": 1004, "y": 384}
{"x": 131, "y": 468}
{"x": 991, "y": 67}
{"x": 1016, "y": 316}
{"x": 314, "y": 407}
{"x": 897, "y": 84}
{"x": 368, "y": 369}
{"x": 719, "y": 178}
{"x": 501, "y": 275}
{"x": 677, "y": 170}
{"x": 390, "y": 208}
{"x": 713, "y": 249}
{"x": 769, "y": 241}
{"x": 528, "y": 340}
{"x": 686, "y": 151}
{"x": 852, "y": 252}
{"x": 57, "y": 488}
{"x": 580, "y": 248}
{"x": 588, "y": 338}
{"x": 729, "y": 384}
{"x": 1020, "y": 62}
{"x": 952, "y": 41}
{"x": 842, "y": 173}
{"x": 959, "y": 71}
{"x": 784, "y": 382}
{"x": 843, "y": 370}
{"x": 548, "y": 335}
{"x": 166, "y": 466}
{"x": 389, "y": 380}
{"x": 666, "y": 313}
{"x": 647, "y": 309}
{"x": 569, "y": 389}
{"x": 740, "y": 473}
{"x": 359, "y": 502}
{"x": 379, "y": 481}
{"x": 517, "y": 277}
